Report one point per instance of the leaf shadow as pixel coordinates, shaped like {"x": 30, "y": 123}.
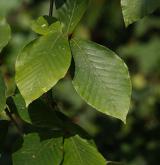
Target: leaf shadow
{"x": 46, "y": 121}
{"x": 59, "y": 3}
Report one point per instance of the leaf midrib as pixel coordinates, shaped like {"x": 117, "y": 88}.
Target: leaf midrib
{"x": 69, "y": 25}
{"x": 76, "y": 149}
{"x": 92, "y": 67}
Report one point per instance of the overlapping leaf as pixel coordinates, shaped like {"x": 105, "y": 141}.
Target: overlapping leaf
{"x": 20, "y": 106}
{"x": 38, "y": 113}
{"x": 41, "y": 64}
{"x": 39, "y": 152}
{"x": 101, "y": 78}
{"x": 45, "y": 24}
{"x": 136, "y": 9}
{"x": 5, "y": 33}
{"x": 70, "y": 12}
{"x": 79, "y": 152}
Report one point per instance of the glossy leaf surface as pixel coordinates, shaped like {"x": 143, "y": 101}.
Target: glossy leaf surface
{"x": 70, "y": 12}
{"x": 39, "y": 152}
{"x": 101, "y": 78}
{"x": 41, "y": 64}
{"x": 136, "y": 9}
{"x": 79, "y": 152}
{"x": 45, "y": 24}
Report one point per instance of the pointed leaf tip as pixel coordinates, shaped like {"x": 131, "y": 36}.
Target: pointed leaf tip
{"x": 101, "y": 78}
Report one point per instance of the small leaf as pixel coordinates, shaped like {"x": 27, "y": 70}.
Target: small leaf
{"x": 70, "y": 12}
{"x": 21, "y": 107}
{"x": 39, "y": 152}
{"x": 101, "y": 78}
{"x": 2, "y": 94}
{"x": 79, "y": 152}
{"x": 45, "y": 24}
{"x": 41, "y": 64}
{"x": 38, "y": 113}
{"x": 133, "y": 10}
{"x": 5, "y": 33}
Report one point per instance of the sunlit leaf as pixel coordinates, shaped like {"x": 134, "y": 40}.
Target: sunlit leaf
{"x": 101, "y": 78}
{"x": 45, "y": 24}
{"x": 133, "y": 10}
{"x": 70, "y": 12}
{"x": 79, "y": 152}
{"x": 41, "y": 64}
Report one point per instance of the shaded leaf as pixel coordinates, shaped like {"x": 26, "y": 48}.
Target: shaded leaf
{"x": 45, "y": 24}
{"x": 3, "y": 133}
{"x": 2, "y": 94}
{"x": 70, "y": 12}
{"x": 133, "y": 10}
{"x": 5, "y": 33}
{"x": 41, "y": 64}
{"x": 38, "y": 113}
{"x": 43, "y": 116}
{"x": 79, "y": 152}
{"x": 39, "y": 152}
{"x": 101, "y": 78}
{"x": 21, "y": 107}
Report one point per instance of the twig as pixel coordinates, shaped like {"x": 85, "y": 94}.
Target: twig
{"x": 51, "y": 8}
{"x": 13, "y": 120}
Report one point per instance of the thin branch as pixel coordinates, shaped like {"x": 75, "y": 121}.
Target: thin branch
{"x": 51, "y": 8}
{"x": 9, "y": 114}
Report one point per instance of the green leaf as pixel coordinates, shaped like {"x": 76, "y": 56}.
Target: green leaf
{"x": 101, "y": 78}
{"x": 79, "y": 152}
{"x": 133, "y": 10}
{"x": 41, "y": 64}
{"x": 2, "y": 94}
{"x": 38, "y": 113}
{"x": 5, "y": 33}
{"x": 21, "y": 107}
{"x": 45, "y": 24}
{"x": 39, "y": 152}
{"x": 43, "y": 116}
{"x": 70, "y": 12}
